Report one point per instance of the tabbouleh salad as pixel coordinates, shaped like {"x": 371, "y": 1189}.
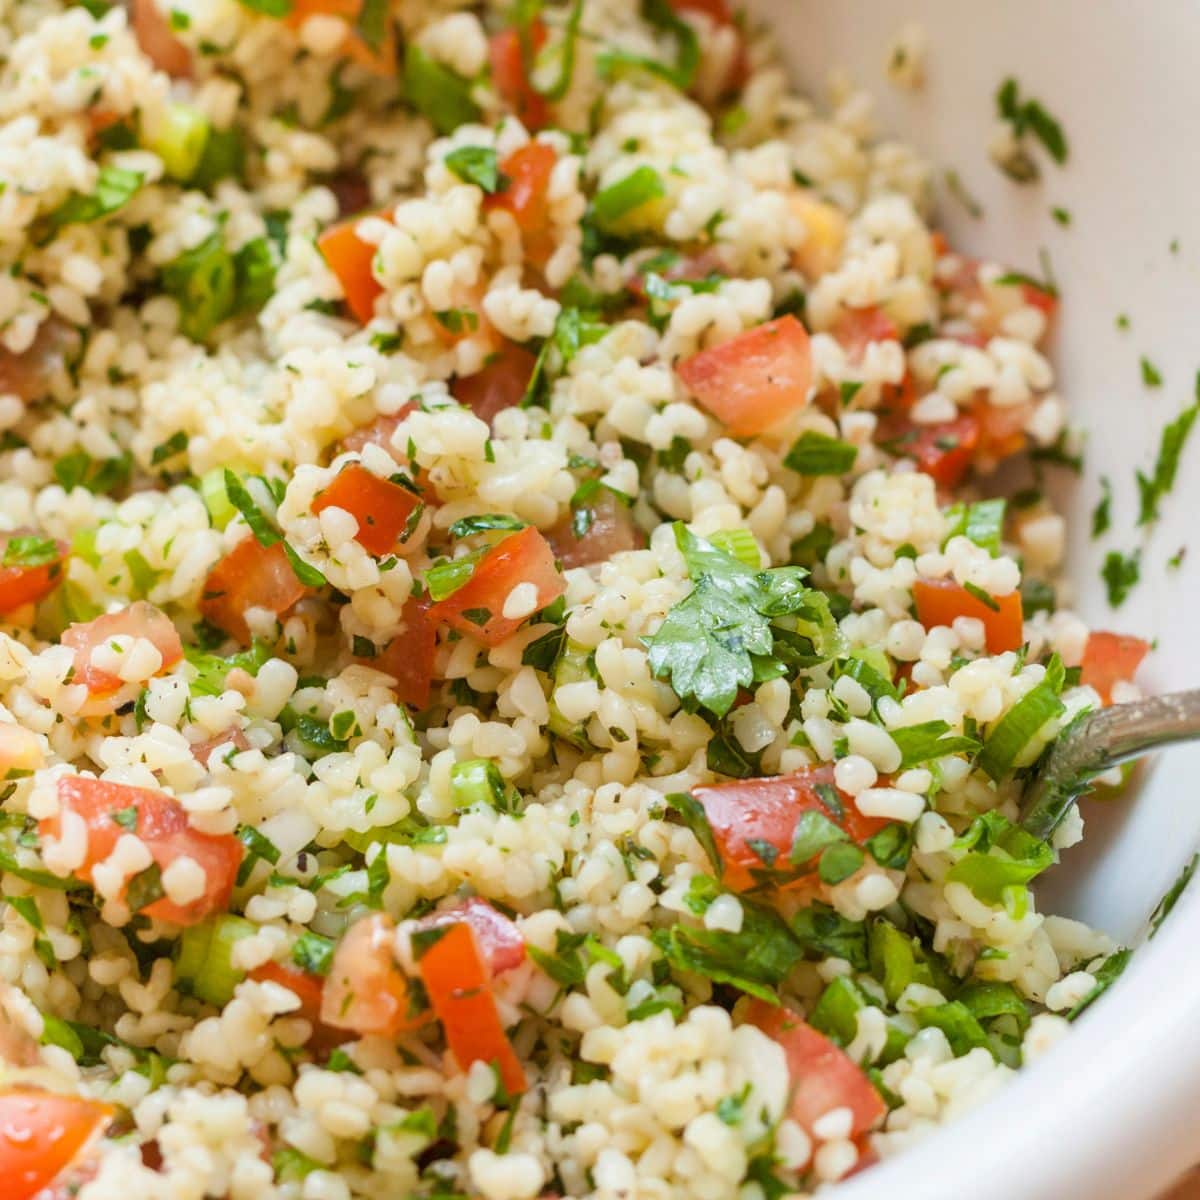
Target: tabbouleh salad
{"x": 514, "y": 681}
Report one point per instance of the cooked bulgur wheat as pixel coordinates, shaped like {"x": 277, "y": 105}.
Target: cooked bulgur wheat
{"x": 510, "y": 684}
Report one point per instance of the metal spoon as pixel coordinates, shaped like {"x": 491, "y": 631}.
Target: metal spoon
{"x": 1099, "y": 740}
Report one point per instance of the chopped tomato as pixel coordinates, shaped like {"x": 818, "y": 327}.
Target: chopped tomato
{"x": 381, "y": 58}
{"x": 1110, "y": 658}
{"x": 857, "y": 328}
{"x": 382, "y": 509}
{"x": 477, "y": 608}
{"x": 350, "y": 259}
{"x": 307, "y": 988}
{"x": 754, "y": 380}
{"x": 745, "y": 811}
{"x": 822, "y": 1076}
{"x": 111, "y": 810}
{"x": 408, "y": 657}
{"x": 139, "y": 620}
{"x": 498, "y": 938}
{"x": 41, "y": 1134}
{"x": 610, "y": 531}
{"x": 939, "y": 601}
{"x": 1040, "y": 298}
{"x": 1001, "y": 430}
{"x": 528, "y": 170}
{"x": 944, "y": 451}
{"x": 501, "y": 383}
{"x": 157, "y": 42}
{"x": 377, "y": 433}
{"x": 687, "y": 268}
{"x": 510, "y": 73}
{"x": 233, "y": 741}
{"x": 716, "y": 10}
{"x": 30, "y": 374}
{"x": 365, "y": 990}
{"x": 458, "y": 982}
{"x": 249, "y": 576}
{"x": 28, "y": 584}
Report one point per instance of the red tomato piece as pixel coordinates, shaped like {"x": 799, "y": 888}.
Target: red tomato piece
{"x": 26, "y": 585}
{"x": 350, "y": 259}
{"x": 498, "y": 938}
{"x": 233, "y": 741}
{"x": 458, "y": 982}
{"x": 767, "y": 810}
{"x": 161, "y": 823}
{"x": 1110, "y": 658}
{"x": 408, "y": 657}
{"x": 944, "y": 451}
{"x": 523, "y": 557}
{"x": 381, "y": 59}
{"x": 381, "y": 508}
{"x": 939, "y": 601}
{"x": 510, "y": 74}
{"x": 377, "y": 433}
{"x": 41, "y": 1134}
{"x": 157, "y": 42}
{"x": 249, "y": 576}
{"x": 30, "y": 374}
{"x": 1001, "y": 430}
{"x": 857, "y": 328}
{"x": 754, "y": 380}
{"x": 365, "y": 990}
{"x": 139, "y": 620}
{"x": 1040, "y": 298}
{"x": 823, "y": 1077}
{"x": 501, "y": 383}
{"x": 308, "y": 989}
{"x": 528, "y": 169}
{"x": 716, "y": 10}
{"x": 612, "y": 530}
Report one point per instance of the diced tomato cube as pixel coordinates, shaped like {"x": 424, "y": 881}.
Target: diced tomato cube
{"x": 249, "y": 576}
{"x": 1110, "y": 658}
{"x": 458, "y": 982}
{"x": 477, "y": 608}
{"x": 41, "y": 1134}
{"x": 157, "y": 42}
{"x": 746, "y": 811}
{"x": 857, "y": 328}
{"x": 944, "y": 451}
{"x": 21, "y": 585}
{"x": 112, "y": 810}
{"x": 408, "y": 658}
{"x": 611, "y": 531}
{"x": 1001, "y": 430}
{"x": 138, "y": 620}
{"x": 500, "y": 384}
{"x": 365, "y": 990}
{"x": 381, "y": 508}
{"x": 510, "y": 74}
{"x": 823, "y": 1077}
{"x": 754, "y": 380}
{"x": 350, "y": 259}
{"x": 498, "y": 938}
{"x": 939, "y": 601}
{"x": 526, "y": 197}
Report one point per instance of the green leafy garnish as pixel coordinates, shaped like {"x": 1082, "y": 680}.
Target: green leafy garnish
{"x": 1000, "y": 855}
{"x": 115, "y": 187}
{"x": 926, "y": 742}
{"x": 477, "y": 165}
{"x": 682, "y": 72}
{"x": 1106, "y": 975}
{"x": 1172, "y": 894}
{"x": 1010, "y": 736}
{"x": 439, "y": 94}
{"x": 1121, "y": 573}
{"x": 1174, "y": 437}
{"x": 819, "y": 454}
{"x": 1102, "y": 513}
{"x": 640, "y": 186}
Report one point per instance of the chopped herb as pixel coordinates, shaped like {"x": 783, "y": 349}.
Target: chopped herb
{"x": 477, "y": 165}
{"x": 1172, "y": 894}
{"x": 1031, "y": 115}
{"x": 1102, "y": 513}
{"x": 481, "y": 524}
{"x": 1022, "y": 724}
{"x": 1062, "y": 216}
{"x": 1123, "y": 322}
{"x": 957, "y": 189}
{"x": 691, "y": 813}
{"x": 1170, "y": 448}
{"x": 919, "y": 744}
{"x": 439, "y": 94}
{"x": 372, "y": 23}
{"x": 177, "y": 443}
{"x": 621, "y": 198}
{"x": 29, "y": 550}
{"x": 1106, "y": 975}
{"x": 1151, "y": 376}
{"x": 819, "y": 454}
{"x": 144, "y": 888}
{"x": 682, "y": 72}
{"x": 984, "y": 598}
{"x": 1120, "y": 574}
{"x": 313, "y": 953}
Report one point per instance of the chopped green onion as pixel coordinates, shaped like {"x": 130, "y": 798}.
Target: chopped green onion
{"x": 440, "y": 95}
{"x": 445, "y": 578}
{"x": 205, "y": 958}
{"x": 982, "y": 522}
{"x": 477, "y": 781}
{"x": 115, "y": 187}
{"x": 178, "y": 136}
{"x": 1019, "y": 727}
{"x": 619, "y": 199}
{"x": 741, "y": 544}
{"x": 923, "y": 743}
{"x": 216, "y": 499}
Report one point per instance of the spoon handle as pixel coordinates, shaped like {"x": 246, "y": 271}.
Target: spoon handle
{"x": 1100, "y": 740}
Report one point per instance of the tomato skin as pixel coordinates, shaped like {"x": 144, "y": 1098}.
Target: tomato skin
{"x": 381, "y": 508}
{"x": 249, "y": 576}
{"x": 458, "y": 982}
{"x": 377, "y": 433}
{"x": 1001, "y": 430}
{"x": 41, "y": 1134}
{"x": 946, "y": 451}
{"x": 139, "y": 619}
{"x": 350, "y": 259}
{"x": 365, "y": 990}
{"x": 612, "y": 531}
{"x": 157, "y": 42}
{"x": 754, "y": 380}
{"x": 501, "y": 383}
{"x": 823, "y": 1077}
{"x": 511, "y": 79}
{"x": 526, "y": 197}
{"x": 30, "y": 375}
{"x": 746, "y": 810}
{"x": 939, "y": 601}
{"x": 308, "y": 989}
{"x": 235, "y": 739}
{"x": 499, "y": 940}
{"x": 523, "y": 557}
{"x": 162, "y": 825}
{"x": 408, "y": 658}
{"x": 1110, "y": 658}
{"x": 858, "y": 328}
{"x": 27, "y": 585}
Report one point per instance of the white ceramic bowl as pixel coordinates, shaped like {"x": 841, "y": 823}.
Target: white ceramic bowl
{"x": 1113, "y": 1113}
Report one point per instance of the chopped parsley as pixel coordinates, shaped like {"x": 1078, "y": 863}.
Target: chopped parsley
{"x": 1152, "y": 488}
{"x": 477, "y": 165}
{"x": 1120, "y": 573}
{"x": 1151, "y": 375}
{"x": 1102, "y": 513}
{"x": 1030, "y": 116}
